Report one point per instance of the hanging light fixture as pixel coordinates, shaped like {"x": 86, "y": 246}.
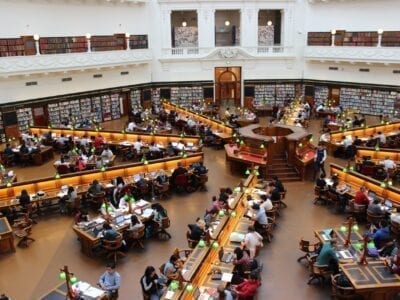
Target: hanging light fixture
{"x": 269, "y": 23}
{"x": 227, "y": 23}
{"x": 184, "y": 24}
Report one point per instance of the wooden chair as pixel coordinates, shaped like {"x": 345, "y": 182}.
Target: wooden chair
{"x": 341, "y": 292}
{"x": 308, "y": 248}
{"x": 321, "y": 195}
{"x": 373, "y": 218}
{"x": 23, "y": 231}
{"x": 203, "y": 179}
{"x": 358, "y": 211}
{"x": 395, "y": 228}
{"x": 112, "y": 248}
{"x": 136, "y": 236}
{"x": 161, "y": 232}
{"x": 319, "y": 272}
{"x": 267, "y": 230}
{"x": 96, "y": 199}
{"x": 25, "y": 159}
{"x": 191, "y": 243}
{"x": 280, "y": 203}
{"x": 181, "y": 183}
{"x": 162, "y": 190}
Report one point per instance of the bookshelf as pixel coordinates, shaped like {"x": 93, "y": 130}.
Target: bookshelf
{"x": 2, "y": 131}
{"x": 86, "y": 108}
{"x": 75, "y": 111}
{"x": 56, "y": 45}
{"x": 186, "y": 96}
{"x": 155, "y": 96}
{"x": 53, "y": 110}
{"x": 12, "y": 47}
{"x": 275, "y": 93}
{"x": 108, "y": 42}
{"x": 25, "y": 118}
{"x": 319, "y": 39}
{"x": 115, "y": 106}
{"x": 96, "y": 109}
{"x": 138, "y": 41}
{"x": 321, "y": 94}
{"x": 369, "y": 101}
{"x": 391, "y": 39}
{"x": 369, "y": 39}
{"x": 106, "y": 107}
{"x": 135, "y": 99}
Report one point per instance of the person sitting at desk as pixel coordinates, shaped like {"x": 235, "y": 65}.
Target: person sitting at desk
{"x": 138, "y": 145}
{"x": 248, "y": 288}
{"x": 381, "y": 234}
{"x": 357, "y": 141}
{"x": 266, "y": 203}
{"x": 135, "y": 223}
{"x": 327, "y": 256}
{"x": 80, "y": 164}
{"x": 23, "y": 149}
{"x": 320, "y": 107}
{"x": 131, "y": 126}
{"x": 210, "y": 216}
{"x": 178, "y": 171}
{"x": 107, "y": 206}
{"x": 356, "y": 122}
{"x": 170, "y": 150}
{"x": 95, "y": 188}
{"x": 361, "y": 197}
{"x": 162, "y": 177}
{"x": 24, "y": 199}
{"x": 84, "y": 140}
{"x": 172, "y": 268}
{"x": 372, "y": 141}
{"x": 382, "y": 137}
{"x": 197, "y": 231}
{"x": 273, "y": 192}
{"x": 278, "y": 184}
{"x": 154, "y": 147}
{"x": 8, "y": 151}
{"x": 375, "y": 208}
{"x": 242, "y": 263}
{"x": 109, "y": 233}
{"x": 260, "y": 218}
{"x": 252, "y": 241}
{"x": 107, "y": 153}
{"x": 110, "y": 281}
{"x": 150, "y": 283}
{"x": 321, "y": 182}
{"x": 388, "y": 164}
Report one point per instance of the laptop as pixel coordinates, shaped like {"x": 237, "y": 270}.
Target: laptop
{"x": 119, "y": 220}
{"x": 388, "y": 203}
{"x": 198, "y": 295}
{"x": 346, "y": 254}
{"x": 190, "y": 144}
{"x": 227, "y": 257}
{"x": 136, "y": 178}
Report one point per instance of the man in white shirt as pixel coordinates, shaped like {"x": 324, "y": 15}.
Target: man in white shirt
{"x": 382, "y": 138}
{"x": 320, "y": 107}
{"x": 107, "y": 153}
{"x": 266, "y": 203}
{"x": 253, "y": 241}
{"x": 131, "y": 126}
{"x": 138, "y": 145}
{"x": 388, "y": 164}
{"x": 190, "y": 122}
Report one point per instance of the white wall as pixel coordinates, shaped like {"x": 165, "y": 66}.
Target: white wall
{"x": 14, "y": 89}
{"x": 64, "y": 18}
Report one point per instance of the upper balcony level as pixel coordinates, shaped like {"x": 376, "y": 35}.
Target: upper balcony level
{"x": 340, "y": 45}
{"x": 33, "y": 54}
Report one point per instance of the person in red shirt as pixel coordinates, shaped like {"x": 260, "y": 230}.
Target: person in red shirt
{"x": 361, "y": 197}
{"x": 248, "y": 288}
{"x": 98, "y": 141}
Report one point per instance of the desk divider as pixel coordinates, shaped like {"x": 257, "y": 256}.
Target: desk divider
{"x": 377, "y": 156}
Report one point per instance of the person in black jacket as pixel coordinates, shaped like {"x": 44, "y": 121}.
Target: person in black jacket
{"x": 197, "y": 231}
{"x": 150, "y": 283}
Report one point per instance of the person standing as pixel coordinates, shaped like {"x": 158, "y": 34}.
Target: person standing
{"x": 319, "y": 160}
{"x": 110, "y": 281}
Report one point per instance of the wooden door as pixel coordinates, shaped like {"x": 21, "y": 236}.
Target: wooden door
{"x": 39, "y": 116}
{"x": 228, "y": 85}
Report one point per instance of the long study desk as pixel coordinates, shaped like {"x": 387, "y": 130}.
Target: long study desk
{"x": 218, "y": 127}
{"x": 356, "y": 180}
{"x": 51, "y": 186}
{"x": 377, "y": 156}
{"x": 6, "y": 236}
{"x": 201, "y": 262}
{"x": 118, "y": 138}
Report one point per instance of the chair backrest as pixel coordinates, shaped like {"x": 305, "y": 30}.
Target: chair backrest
{"x": 165, "y": 222}
{"x": 373, "y": 218}
{"x": 137, "y": 233}
{"x": 341, "y": 292}
{"x": 203, "y": 178}
{"x": 113, "y": 245}
{"x": 304, "y": 245}
{"x": 181, "y": 180}
{"x": 191, "y": 243}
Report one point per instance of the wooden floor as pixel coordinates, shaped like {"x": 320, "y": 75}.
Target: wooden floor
{"x": 29, "y": 273}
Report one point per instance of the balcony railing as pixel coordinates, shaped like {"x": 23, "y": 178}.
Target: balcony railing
{"x": 33, "y": 64}
{"x": 353, "y": 54}
{"x": 226, "y": 52}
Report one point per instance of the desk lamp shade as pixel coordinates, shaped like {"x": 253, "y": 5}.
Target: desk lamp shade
{"x": 343, "y": 228}
{"x": 215, "y": 245}
{"x": 201, "y": 243}
{"x": 62, "y": 275}
{"x": 355, "y": 227}
{"x": 189, "y": 287}
{"x": 73, "y": 279}
{"x": 174, "y": 285}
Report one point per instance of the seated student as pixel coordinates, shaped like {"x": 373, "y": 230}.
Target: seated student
{"x": 356, "y": 122}
{"x": 242, "y": 262}
{"x": 260, "y": 218}
{"x": 381, "y": 234}
{"x": 162, "y": 177}
{"x": 8, "y": 151}
{"x": 252, "y": 241}
{"x": 361, "y": 197}
{"x": 80, "y": 164}
{"x": 131, "y": 126}
{"x": 135, "y": 223}
{"x": 210, "y": 216}
{"x": 98, "y": 141}
{"x": 248, "y": 288}
{"x": 172, "y": 268}
{"x": 375, "y": 208}
{"x": 388, "y": 164}
{"x": 278, "y": 184}
{"x": 321, "y": 183}
{"x": 372, "y": 141}
{"x": 95, "y": 188}
{"x": 224, "y": 293}
{"x": 109, "y": 233}
{"x": 107, "y": 153}
{"x": 197, "y": 231}
{"x": 24, "y": 198}
{"x": 150, "y": 283}
{"x": 327, "y": 256}
{"x": 178, "y": 171}
{"x": 357, "y": 141}
{"x": 382, "y": 137}
{"x": 266, "y": 203}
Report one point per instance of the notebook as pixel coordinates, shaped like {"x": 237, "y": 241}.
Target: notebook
{"x": 174, "y": 144}
{"x": 227, "y": 257}
{"x": 136, "y": 178}
{"x": 190, "y": 144}
{"x": 388, "y": 203}
{"x": 345, "y": 254}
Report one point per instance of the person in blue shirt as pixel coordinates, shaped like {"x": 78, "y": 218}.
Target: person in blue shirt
{"x": 380, "y": 235}
{"x": 110, "y": 281}
{"x": 327, "y": 256}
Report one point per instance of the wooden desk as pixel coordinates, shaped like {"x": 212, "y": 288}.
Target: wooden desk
{"x": 6, "y": 236}
{"x": 202, "y": 265}
{"x": 216, "y": 125}
{"x": 44, "y": 154}
{"x": 340, "y": 236}
{"x": 377, "y": 156}
{"x": 372, "y": 281}
{"x": 51, "y": 186}
{"x": 240, "y": 158}
{"x": 60, "y": 293}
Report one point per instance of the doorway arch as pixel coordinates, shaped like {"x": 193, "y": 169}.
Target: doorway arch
{"x": 228, "y": 86}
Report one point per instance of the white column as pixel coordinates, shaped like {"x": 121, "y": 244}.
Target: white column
{"x": 206, "y": 27}
{"x": 249, "y": 27}
{"x": 166, "y": 29}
